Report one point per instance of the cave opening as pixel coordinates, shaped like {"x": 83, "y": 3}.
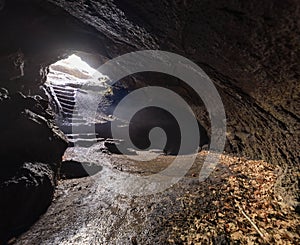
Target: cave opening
{"x": 72, "y": 85}
{"x": 68, "y": 81}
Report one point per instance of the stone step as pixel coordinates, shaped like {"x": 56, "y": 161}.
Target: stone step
{"x": 76, "y": 120}
{"x": 81, "y": 128}
{"x": 64, "y": 93}
{"x": 64, "y": 105}
{"x": 74, "y": 114}
{"x": 63, "y": 87}
{"x": 67, "y": 89}
{"x": 84, "y": 142}
{"x": 66, "y": 101}
{"x": 69, "y": 111}
{"x": 66, "y": 97}
{"x": 83, "y": 136}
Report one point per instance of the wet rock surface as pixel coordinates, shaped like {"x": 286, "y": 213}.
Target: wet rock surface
{"x": 254, "y": 63}
{"x": 249, "y": 49}
{"x": 186, "y": 213}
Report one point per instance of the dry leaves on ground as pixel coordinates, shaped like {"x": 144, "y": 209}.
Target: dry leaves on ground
{"x": 243, "y": 208}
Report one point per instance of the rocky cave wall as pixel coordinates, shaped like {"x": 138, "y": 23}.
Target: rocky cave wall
{"x": 250, "y": 49}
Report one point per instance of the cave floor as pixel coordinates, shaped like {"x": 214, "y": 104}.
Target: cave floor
{"x": 236, "y": 203}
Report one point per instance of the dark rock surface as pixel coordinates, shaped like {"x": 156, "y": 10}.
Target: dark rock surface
{"x": 30, "y": 152}
{"x": 27, "y": 133}
{"x": 250, "y": 49}
{"x": 254, "y": 63}
{"x": 26, "y": 192}
{"x": 73, "y": 169}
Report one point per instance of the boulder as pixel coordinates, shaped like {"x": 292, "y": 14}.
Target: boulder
{"x": 26, "y": 192}
{"x": 28, "y": 132}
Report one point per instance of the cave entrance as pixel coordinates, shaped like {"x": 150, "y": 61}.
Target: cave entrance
{"x": 73, "y": 71}
{"x": 68, "y": 80}
{"x": 72, "y": 82}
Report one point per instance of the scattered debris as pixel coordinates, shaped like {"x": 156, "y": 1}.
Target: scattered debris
{"x": 245, "y": 208}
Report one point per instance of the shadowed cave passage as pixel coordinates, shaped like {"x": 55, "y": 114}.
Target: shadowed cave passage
{"x": 72, "y": 84}
{"x": 250, "y": 49}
